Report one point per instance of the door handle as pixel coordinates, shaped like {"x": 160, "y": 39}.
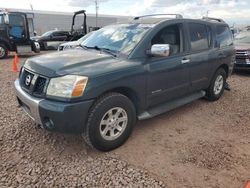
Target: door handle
{"x": 184, "y": 61}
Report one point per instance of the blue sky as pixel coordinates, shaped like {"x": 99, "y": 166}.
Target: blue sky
{"x": 233, "y": 11}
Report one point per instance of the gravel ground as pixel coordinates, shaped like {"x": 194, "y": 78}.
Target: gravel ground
{"x": 202, "y": 144}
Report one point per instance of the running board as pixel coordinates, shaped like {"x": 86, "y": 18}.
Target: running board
{"x": 170, "y": 105}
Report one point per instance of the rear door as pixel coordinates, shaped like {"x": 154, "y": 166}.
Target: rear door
{"x": 224, "y": 40}
{"x": 200, "y": 45}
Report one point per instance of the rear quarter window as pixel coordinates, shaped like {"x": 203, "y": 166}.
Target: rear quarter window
{"x": 223, "y": 36}
{"x": 199, "y": 36}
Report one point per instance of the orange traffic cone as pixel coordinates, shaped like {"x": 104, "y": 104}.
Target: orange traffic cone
{"x": 16, "y": 58}
{"x": 14, "y": 64}
{"x": 247, "y": 185}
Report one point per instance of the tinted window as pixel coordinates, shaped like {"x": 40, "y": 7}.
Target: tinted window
{"x": 224, "y": 36}
{"x": 169, "y": 35}
{"x": 17, "y": 26}
{"x": 199, "y": 37}
{"x": 16, "y": 20}
{"x": 59, "y": 34}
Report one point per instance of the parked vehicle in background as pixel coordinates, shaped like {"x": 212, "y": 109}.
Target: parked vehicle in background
{"x": 125, "y": 72}
{"x": 16, "y": 30}
{"x": 78, "y": 31}
{"x": 50, "y": 40}
{"x": 72, "y": 44}
{"x": 242, "y": 45}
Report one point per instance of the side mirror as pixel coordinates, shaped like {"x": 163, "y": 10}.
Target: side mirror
{"x": 160, "y": 50}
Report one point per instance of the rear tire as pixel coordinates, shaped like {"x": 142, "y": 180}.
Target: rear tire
{"x": 110, "y": 122}
{"x": 3, "y": 51}
{"x": 217, "y": 85}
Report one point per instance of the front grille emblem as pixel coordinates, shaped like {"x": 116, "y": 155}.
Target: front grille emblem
{"x": 28, "y": 80}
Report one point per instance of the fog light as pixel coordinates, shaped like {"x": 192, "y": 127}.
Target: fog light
{"x": 49, "y": 124}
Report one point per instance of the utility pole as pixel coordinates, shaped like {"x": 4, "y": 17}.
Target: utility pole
{"x": 96, "y": 12}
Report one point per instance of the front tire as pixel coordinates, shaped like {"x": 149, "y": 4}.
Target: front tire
{"x": 217, "y": 85}
{"x": 110, "y": 122}
{"x": 3, "y": 51}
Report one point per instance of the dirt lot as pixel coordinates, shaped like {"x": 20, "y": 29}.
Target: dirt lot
{"x": 202, "y": 144}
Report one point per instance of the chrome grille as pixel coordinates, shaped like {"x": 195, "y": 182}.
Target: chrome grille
{"x": 33, "y": 83}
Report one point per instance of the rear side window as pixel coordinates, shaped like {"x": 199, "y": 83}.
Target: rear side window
{"x": 224, "y": 36}
{"x": 199, "y": 37}
{"x": 60, "y": 34}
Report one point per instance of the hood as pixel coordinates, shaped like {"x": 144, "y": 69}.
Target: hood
{"x": 80, "y": 62}
{"x": 242, "y": 46}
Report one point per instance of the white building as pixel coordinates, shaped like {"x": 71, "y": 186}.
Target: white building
{"x": 47, "y": 20}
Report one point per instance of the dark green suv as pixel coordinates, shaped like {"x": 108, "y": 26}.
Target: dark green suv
{"x": 127, "y": 72}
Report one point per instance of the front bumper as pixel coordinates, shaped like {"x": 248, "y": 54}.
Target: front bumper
{"x": 53, "y": 115}
{"x": 239, "y": 66}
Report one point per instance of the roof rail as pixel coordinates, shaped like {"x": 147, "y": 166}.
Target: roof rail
{"x": 213, "y": 19}
{"x": 152, "y": 15}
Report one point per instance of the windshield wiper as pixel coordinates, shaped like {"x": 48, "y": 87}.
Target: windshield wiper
{"x": 106, "y": 50}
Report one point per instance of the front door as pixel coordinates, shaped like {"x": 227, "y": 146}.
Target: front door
{"x": 168, "y": 77}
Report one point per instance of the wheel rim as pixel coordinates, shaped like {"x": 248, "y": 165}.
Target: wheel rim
{"x": 113, "y": 123}
{"x": 2, "y": 51}
{"x": 218, "y": 85}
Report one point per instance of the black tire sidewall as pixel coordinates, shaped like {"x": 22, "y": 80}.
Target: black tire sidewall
{"x": 94, "y": 122}
{"x": 6, "y": 51}
{"x": 211, "y": 95}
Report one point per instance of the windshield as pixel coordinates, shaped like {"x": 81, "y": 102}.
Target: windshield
{"x": 80, "y": 40}
{"x": 120, "y": 38}
{"x": 48, "y": 33}
{"x": 242, "y": 38}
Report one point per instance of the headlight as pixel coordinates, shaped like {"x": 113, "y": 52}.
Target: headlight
{"x": 69, "y": 86}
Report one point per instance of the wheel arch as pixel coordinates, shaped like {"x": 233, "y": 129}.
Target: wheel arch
{"x": 128, "y": 92}
{"x": 225, "y": 67}
{"x": 6, "y": 43}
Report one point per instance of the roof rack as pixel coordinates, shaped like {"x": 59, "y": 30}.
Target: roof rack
{"x": 213, "y": 19}
{"x": 152, "y": 15}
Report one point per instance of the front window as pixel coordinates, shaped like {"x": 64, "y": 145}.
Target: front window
{"x": 17, "y": 26}
{"x": 120, "y": 38}
{"x": 242, "y": 38}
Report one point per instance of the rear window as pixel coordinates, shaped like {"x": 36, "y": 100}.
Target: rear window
{"x": 224, "y": 36}
{"x": 199, "y": 36}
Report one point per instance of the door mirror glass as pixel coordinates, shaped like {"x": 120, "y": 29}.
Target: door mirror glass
{"x": 160, "y": 50}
